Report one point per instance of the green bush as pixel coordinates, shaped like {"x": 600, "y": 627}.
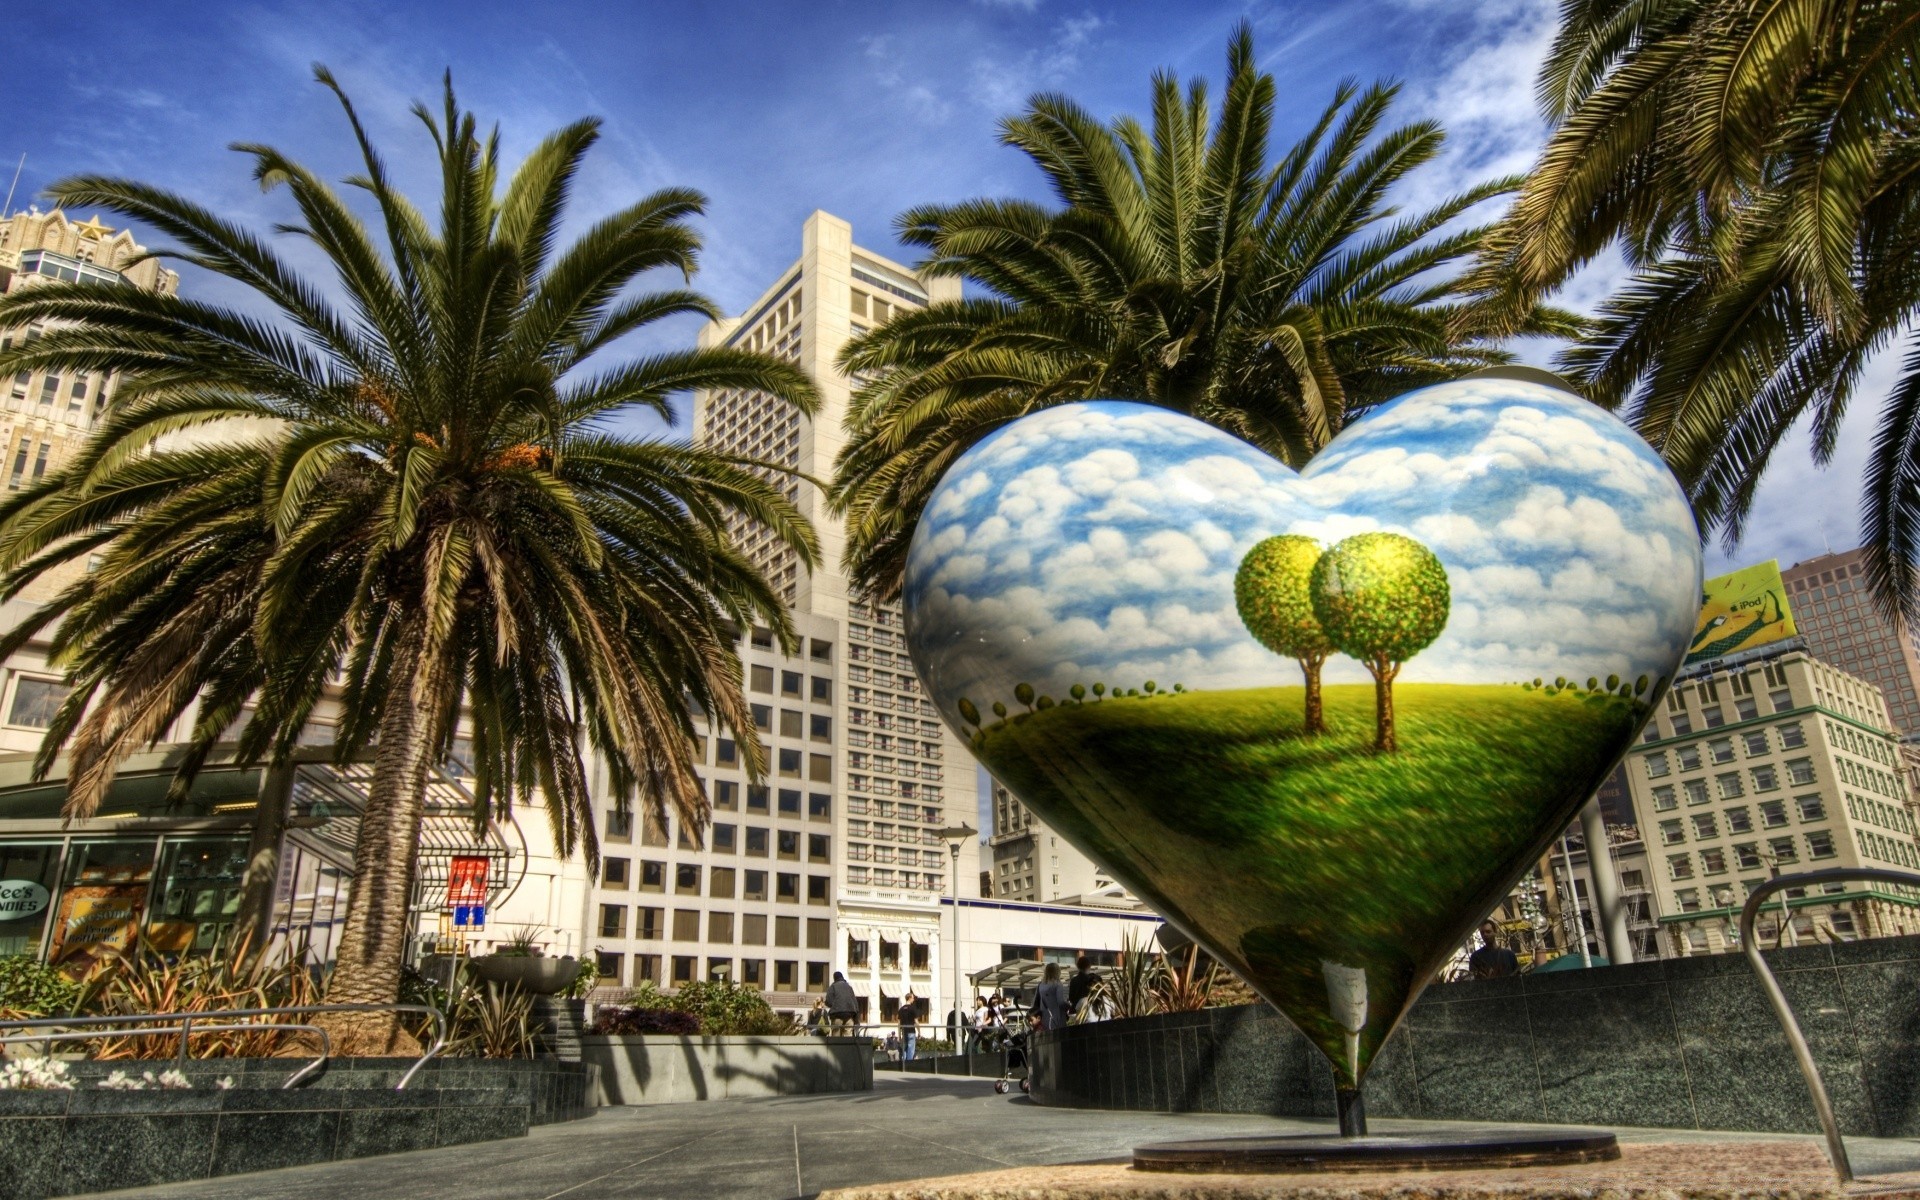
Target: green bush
{"x": 725, "y": 1007}
{"x": 30, "y": 988}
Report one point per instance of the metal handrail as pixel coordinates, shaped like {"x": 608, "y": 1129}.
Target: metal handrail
{"x": 186, "y": 1022}
{"x": 1802, "y": 1053}
{"x": 46, "y": 1041}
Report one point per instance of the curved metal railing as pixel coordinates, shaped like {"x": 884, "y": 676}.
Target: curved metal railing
{"x": 1802, "y": 1053}
{"x": 184, "y": 1025}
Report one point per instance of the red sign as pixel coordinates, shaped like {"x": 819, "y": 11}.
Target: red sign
{"x": 467, "y": 881}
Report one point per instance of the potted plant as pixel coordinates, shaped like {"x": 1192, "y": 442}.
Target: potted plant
{"x": 520, "y": 964}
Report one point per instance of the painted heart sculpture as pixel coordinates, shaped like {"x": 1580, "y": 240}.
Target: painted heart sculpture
{"x": 1322, "y": 722}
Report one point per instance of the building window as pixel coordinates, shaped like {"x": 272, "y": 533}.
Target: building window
{"x": 789, "y": 843}
{"x": 1782, "y": 700}
{"x": 756, "y": 841}
{"x": 1696, "y": 790}
{"x": 619, "y": 825}
{"x": 35, "y": 701}
{"x": 760, "y": 679}
{"x": 1689, "y": 756}
{"x": 763, "y": 717}
{"x": 1755, "y": 741}
{"x": 757, "y": 797}
{"x": 787, "y": 887}
{"x": 786, "y": 974}
{"x": 686, "y": 879}
{"x": 753, "y": 929}
{"x": 684, "y": 966}
{"x": 1739, "y": 820}
{"x": 817, "y": 889}
{"x": 1688, "y": 899}
{"x": 1800, "y": 772}
{"x": 753, "y": 972}
{"x": 819, "y": 846}
{"x": 1773, "y": 813}
{"x": 1764, "y": 779}
{"x": 753, "y": 885}
{"x": 789, "y": 764}
{"x": 1682, "y": 723}
{"x": 1820, "y": 844}
{"x": 1720, "y": 750}
{"x": 725, "y": 838}
{"x": 720, "y": 882}
{"x": 613, "y": 873}
{"x": 789, "y": 802}
{"x": 649, "y": 923}
{"x": 725, "y": 753}
{"x": 613, "y": 921}
{"x": 652, "y": 832}
{"x": 606, "y": 965}
{"x": 1812, "y": 808}
{"x": 1680, "y": 866}
{"x": 1713, "y": 861}
{"x": 653, "y": 876}
{"x": 720, "y": 927}
{"x": 819, "y": 933}
{"x": 790, "y": 683}
{"x": 819, "y": 806}
{"x": 1671, "y": 833}
{"x": 858, "y": 951}
{"x": 726, "y": 794}
{"x": 820, "y": 768}
{"x": 1746, "y": 708}
{"x": 1747, "y": 856}
{"x": 1664, "y": 799}
{"x": 786, "y": 931}
{"x": 1705, "y": 826}
{"x": 686, "y": 924}
{"x": 822, "y": 690}
{"x": 1730, "y": 786}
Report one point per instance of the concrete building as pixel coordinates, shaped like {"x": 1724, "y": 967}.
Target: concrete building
{"x": 48, "y": 415}
{"x": 1032, "y": 863}
{"x": 1839, "y": 624}
{"x": 1767, "y": 763}
{"x": 836, "y": 863}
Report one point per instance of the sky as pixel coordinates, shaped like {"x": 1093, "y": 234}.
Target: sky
{"x": 774, "y": 110}
{"x": 1100, "y": 541}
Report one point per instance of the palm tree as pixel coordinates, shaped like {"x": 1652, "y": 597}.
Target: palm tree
{"x": 1755, "y": 166}
{"x": 413, "y": 489}
{"x": 1182, "y": 267}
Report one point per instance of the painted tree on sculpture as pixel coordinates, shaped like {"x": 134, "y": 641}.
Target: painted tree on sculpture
{"x": 1272, "y": 590}
{"x": 1381, "y": 598}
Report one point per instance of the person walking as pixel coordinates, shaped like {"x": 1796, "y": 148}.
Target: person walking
{"x": 909, "y": 1026}
{"x": 843, "y": 1007}
{"x": 977, "y": 1026}
{"x": 1492, "y": 960}
{"x": 1050, "y": 1002}
{"x": 1081, "y": 985}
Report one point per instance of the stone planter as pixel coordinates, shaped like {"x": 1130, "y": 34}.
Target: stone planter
{"x": 673, "y": 1069}
{"x": 540, "y": 976}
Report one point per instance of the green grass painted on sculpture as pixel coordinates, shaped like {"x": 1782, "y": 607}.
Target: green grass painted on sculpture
{"x": 1305, "y": 848}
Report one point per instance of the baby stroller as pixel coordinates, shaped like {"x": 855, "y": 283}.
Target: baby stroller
{"x": 1016, "y": 1048}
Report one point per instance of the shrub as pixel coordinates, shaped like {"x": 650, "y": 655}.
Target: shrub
{"x": 31, "y": 988}
{"x": 725, "y": 1007}
{"x": 624, "y": 1022}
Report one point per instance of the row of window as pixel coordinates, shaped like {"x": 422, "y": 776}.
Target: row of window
{"x": 1758, "y": 743}
{"x": 685, "y": 968}
{"x": 1748, "y": 856}
{"x": 886, "y": 877}
{"x": 1722, "y": 895}
{"x": 1773, "y": 815}
{"x": 1874, "y": 812}
{"x": 650, "y": 925}
{"x": 787, "y": 761}
{"x": 1713, "y": 715}
{"x": 1730, "y": 784}
{"x": 618, "y": 873}
{"x": 1898, "y": 851}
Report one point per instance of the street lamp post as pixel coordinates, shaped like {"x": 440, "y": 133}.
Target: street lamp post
{"x": 954, "y": 836}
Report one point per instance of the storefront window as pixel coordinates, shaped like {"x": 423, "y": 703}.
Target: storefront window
{"x": 199, "y": 893}
{"x": 102, "y": 901}
{"x": 29, "y": 875}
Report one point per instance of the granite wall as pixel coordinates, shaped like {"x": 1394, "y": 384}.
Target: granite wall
{"x": 670, "y": 1069}
{"x": 1682, "y": 1043}
{"x": 58, "y": 1143}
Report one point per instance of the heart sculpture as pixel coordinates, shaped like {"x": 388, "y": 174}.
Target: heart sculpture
{"x": 1322, "y": 722}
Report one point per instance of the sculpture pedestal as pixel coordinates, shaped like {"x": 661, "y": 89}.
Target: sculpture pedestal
{"x": 1468, "y": 1149}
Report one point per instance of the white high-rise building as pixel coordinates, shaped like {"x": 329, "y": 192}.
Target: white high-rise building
{"x": 835, "y": 862}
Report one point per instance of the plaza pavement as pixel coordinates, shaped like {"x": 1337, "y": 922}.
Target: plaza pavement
{"x": 776, "y": 1149}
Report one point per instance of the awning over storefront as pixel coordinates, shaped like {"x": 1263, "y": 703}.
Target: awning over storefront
{"x": 1013, "y": 975}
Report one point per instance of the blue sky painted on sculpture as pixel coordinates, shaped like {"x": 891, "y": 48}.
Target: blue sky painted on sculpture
{"x": 1099, "y": 541}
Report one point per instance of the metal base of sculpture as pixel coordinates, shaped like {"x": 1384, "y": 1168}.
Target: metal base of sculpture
{"x": 1311, "y": 1153}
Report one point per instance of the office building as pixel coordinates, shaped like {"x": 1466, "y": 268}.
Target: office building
{"x": 835, "y": 862}
{"x": 1840, "y": 625}
{"x": 1772, "y": 762}
{"x": 1033, "y": 863}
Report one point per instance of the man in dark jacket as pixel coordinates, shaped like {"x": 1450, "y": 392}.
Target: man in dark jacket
{"x": 843, "y": 1007}
{"x": 1492, "y": 960}
{"x": 1084, "y": 977}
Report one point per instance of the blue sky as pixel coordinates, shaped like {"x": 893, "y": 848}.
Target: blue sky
{"x": 1100, "y": 542}
{"x": 774, "y": 110}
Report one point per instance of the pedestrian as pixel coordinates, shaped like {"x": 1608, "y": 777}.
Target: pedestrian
{"x": 893, "y": 1047}
{"x": 978, "y": 1026}
{"x": 909, "y": 1026}
{"x": 817, "y": 1018}
{"x": 1492, "y": 960}
{"x": 1050, "y": 1002}
{"x": 1081, "y": 985}
{"x": 843, "y": 1007}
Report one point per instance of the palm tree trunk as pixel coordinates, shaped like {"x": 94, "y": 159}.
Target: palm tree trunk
{"x": 253, "y": 928}
{"x": 1383, "y": 672}
{"x": 1316, "y": 720}
{"x": 373, "y": 943}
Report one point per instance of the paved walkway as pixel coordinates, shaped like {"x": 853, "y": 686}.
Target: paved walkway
{"x": 906, "y": 1128}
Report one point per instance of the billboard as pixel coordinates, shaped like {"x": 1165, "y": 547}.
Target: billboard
{"x": 1741, "y": 610}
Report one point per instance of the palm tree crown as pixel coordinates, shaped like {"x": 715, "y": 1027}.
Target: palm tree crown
{"x": 1755, "y": 166}
{"x": 1182, "y": 267}
{"x": 410, "y": 489}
